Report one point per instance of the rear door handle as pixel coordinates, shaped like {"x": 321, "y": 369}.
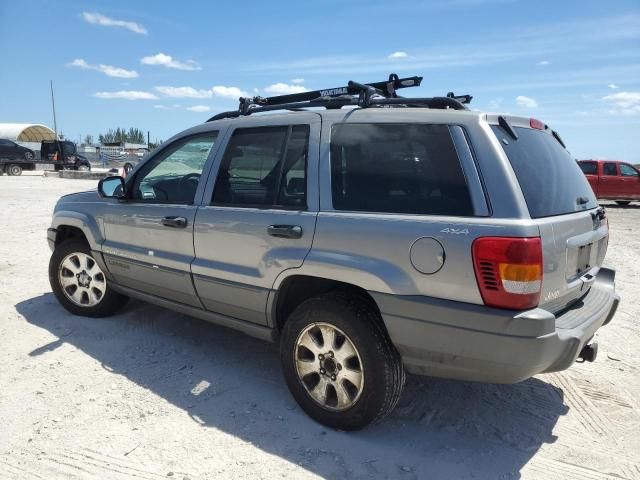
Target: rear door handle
{"x": 285, "y": 231}
{"x": 175, "y": 222}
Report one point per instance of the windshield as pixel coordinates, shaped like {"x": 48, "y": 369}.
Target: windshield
{"x": 551, "y": 181}
{"x": 68, "y": 148}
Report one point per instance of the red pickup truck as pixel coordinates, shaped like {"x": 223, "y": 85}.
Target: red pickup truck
{"x": 612, "y": 180}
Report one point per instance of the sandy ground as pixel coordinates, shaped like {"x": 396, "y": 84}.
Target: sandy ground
{"x": 150, "y": 394}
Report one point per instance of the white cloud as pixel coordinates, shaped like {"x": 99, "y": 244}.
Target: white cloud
{"x": 108, "y": 70}
{"x": 284, "y": 89}
{"x": 624, "y": 103}
{"x": 99, "y": 19}
{"x": 167, "y": 107}
{"x": 184, "y": 92}
{"x": 190, "y": 92}
{"x": 127, "y": 95}
{"x": 169, "y": 62}
{"x": 495, "y": 104}
{"x": 396, "y": 55}
{"x": 613, "y": 86}
{"x": 526, "y": 102}
{"x": 544, "y": 62}
{"x": 297, "y": 81}
{"x": 199, "y": 108}
{"x": 229, "y": 92}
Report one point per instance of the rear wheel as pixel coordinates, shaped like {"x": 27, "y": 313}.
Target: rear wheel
{"x": 79, "y": 283}
{"x": 623, "y": 203}
{"x": 14, "y": 170}
{"x": 339, "y": 362}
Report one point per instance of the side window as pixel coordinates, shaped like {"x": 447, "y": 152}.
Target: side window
{"x": 264, "y": 167}
{"x": 628, "y": 171}
{"x": 397, "y": 168}
{"x": 609, "y": 169}
{"x": 173, "y": 175}
{"x": 589, "y": 168}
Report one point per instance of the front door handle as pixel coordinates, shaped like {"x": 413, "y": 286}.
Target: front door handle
{"x": 285, "y": 231}
{"x": 175, "y": 222}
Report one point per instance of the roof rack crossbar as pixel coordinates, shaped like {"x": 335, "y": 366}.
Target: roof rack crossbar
{"x": 338, "y": 102}
{"x": 386, "y": 89}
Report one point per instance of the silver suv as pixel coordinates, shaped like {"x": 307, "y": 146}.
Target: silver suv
{"x": 402, "y": 234}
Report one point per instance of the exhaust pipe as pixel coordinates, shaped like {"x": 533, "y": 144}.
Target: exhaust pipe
{"x": 588, "y": 353}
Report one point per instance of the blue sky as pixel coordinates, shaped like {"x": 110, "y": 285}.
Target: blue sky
{"x": 165, "y": 65}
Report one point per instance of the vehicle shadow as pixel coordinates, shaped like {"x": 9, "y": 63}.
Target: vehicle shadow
{"x": 227, "y": 381}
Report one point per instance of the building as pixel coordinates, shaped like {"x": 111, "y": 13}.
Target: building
{"x": 124, "y": 148}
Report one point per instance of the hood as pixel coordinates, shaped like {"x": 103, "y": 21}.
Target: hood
{"x": 87, "y": 196}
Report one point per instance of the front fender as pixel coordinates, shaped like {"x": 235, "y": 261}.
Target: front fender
{"x": 88, "y": 224}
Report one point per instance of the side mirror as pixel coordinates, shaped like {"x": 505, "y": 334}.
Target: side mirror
{"x": 112, "y": 187}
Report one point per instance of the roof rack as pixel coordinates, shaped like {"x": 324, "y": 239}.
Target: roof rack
{"x": 378, "y": 94}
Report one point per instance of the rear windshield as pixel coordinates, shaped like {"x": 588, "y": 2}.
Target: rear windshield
{"x": 551, "y": 181}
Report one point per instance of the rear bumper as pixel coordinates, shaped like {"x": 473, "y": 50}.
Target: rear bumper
{"x": 472, "y": 342}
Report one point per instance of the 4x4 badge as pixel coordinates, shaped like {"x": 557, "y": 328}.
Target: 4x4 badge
{"x": 455, "y": 231}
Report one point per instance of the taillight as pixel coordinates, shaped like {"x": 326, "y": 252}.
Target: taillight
{"x": 537, "y": 124}
{"x": 508, "y": 271}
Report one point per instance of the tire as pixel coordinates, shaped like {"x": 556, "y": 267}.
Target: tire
{"x": 83, "y": 167}
{"x": 623, "y": 203}
{"x": 28, "y": 156}
{"x": 14, "y": 170}
{"x": 76, "y": 255}
{"x": 381, "y": 376}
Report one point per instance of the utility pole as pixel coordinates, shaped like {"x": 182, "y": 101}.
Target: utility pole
{"x": 53, "y": 107}
{"x": 147, "y": 139}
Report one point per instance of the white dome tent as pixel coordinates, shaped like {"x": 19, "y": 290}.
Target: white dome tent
{"x": 27, "y": 134}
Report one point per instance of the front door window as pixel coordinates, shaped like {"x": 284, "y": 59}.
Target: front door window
{"x": 173, "y": 175}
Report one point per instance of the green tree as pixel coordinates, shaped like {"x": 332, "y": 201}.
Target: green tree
{"x": 121, "y": 135}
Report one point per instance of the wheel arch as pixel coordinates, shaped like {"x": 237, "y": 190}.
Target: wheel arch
{"x": 296, "y": 288}
{"x": 75, "y": 224}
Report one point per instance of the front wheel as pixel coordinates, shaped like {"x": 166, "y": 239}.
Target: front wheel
{"x": 339, "y": 362}
{"x": 79, "y": 283}
{"x": 83, "y": 167}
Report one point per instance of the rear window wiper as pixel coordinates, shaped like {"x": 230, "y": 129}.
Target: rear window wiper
{"x": 506, "y": 126}
{"x": 557, "y": 137}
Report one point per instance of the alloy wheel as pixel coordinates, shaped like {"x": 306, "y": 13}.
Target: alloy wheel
{"x": 329, "y": 366}
{"x": 82, "y": 280}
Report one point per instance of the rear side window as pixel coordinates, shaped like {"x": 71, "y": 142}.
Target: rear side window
{"x": 551, "y": 181}
{"x": 588, "y": 168}
{"x": 397, "y": 168}
{"x": 609, "y": 169}
{"x": 264, "y": 167}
